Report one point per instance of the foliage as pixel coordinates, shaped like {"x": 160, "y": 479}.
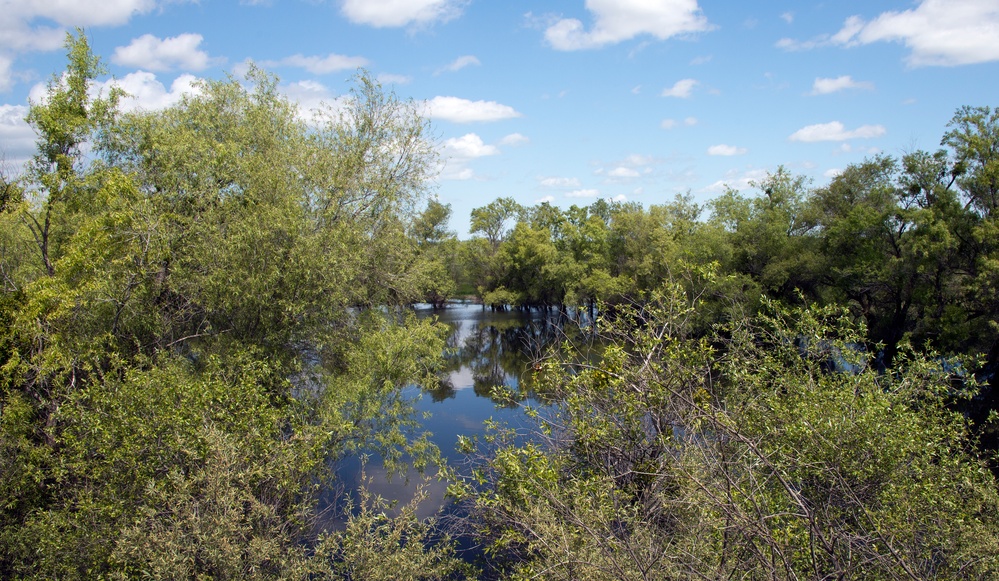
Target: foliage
{"x": 741, "y": 455}
{"x": 188, "y": 345}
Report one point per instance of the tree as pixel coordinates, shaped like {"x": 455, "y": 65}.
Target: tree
{"x": 973, "y": 139}
{"x": 64, "y": 121}
{"x": 184, "y": 364}
{"x": 436, "y": 253}
{"x": 674, "y": 456}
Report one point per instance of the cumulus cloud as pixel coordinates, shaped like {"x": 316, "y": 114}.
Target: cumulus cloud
{"x": 457, "y": 173}
{"x": 6, "y": 74}
{"x": 936, "y": 32}
{"x": 459, "y": 151}
{"x": 623, "y": 172}
{"x": 587, "y": 193}
{"x": 832, "y": 172}
{"x": 17, "y": 138}
{"x": 18, "y": 37}
{"x": 737, "y": 180}
{"x": 671, "y": 123}
{"x": 319, "y": 65}
{"x": 545, "y": 200}
{"x": 460, "y": 110}
{"x": 468, "y": 146}
{"x": 515, "y": 139}
{"x": 680, "y": 89}
{"x": 619, "y": 20}
{"x": 723, "y": 149}
{"x": 78, "y": 12}
{"x": 398, "y": 13}
{"x": 557, "y": 182}
{"x": 458, "y": 64}
{"x": 21, "y": 31}
{"x": 824, "y": 86}
{"x": 835, "y": 131}
{"x": 316, "y": 102}
{"x": 146, "y": 93}
{"x": 154, "y": 54}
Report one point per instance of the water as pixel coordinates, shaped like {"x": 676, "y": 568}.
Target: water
{"x": 485, "y": 349}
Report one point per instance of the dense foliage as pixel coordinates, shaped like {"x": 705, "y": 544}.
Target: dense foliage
{"x": 188, "y": 343}
{"x": 740, "y": 454}
{"x": 201, "y": 314}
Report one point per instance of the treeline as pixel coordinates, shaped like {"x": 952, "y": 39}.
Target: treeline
{"x": 798, "y": 383}
{"x": 203, "y": 312}
{"x": 910, "y": 245}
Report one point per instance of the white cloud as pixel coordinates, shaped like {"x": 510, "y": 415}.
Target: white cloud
{"x": 701, "y": 60}
{"x": 680, "y": 89}
{"x": 153, "y": 54}
{"x": 835, "y": 131}
{"x": 588, "y": 193}
{"x": 17, "y": 138}
{"x": 468, "y": 146}
{"x": 397, "y": 13}
{"x": 737, "y": 180}
{"x": 19, "y": 37}
{"x": 723, "y": 149}
{"x": 787, "y": 17}
{"x": 832, "y": 172}
{"x": 146, "y": 93}
{"x": 623, "y": 172}
{"x": 6, "y": 75}
{"x": 824, "y": 86}
{"x": 315, "y": 101}
{"x": 619, "y": 20}
{"x": 20, "y": 30}
{"x": 619, "y": 198}
{"x": 515, "y": 139}
{"x": 458, "y": 64}
{"x": 390, "y": 79}
{"x": 671, "y": 123}
{"x": 545, "y": 200}
{"x": 457, "y": 173}
{"x": 937, "y": 32}
{"x": 638, "y": 160}
{"x": 78, "y": 12}
{"x": 464, "y": 111}
{"x": 554, "y": 182}
{"x": 318, "y": 65}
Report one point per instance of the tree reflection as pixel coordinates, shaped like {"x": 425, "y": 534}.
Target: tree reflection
{"x": 487, "y": 350}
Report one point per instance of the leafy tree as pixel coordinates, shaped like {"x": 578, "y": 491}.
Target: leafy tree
{"x": 669, "y": 458}
{"x": 183, "y": 362}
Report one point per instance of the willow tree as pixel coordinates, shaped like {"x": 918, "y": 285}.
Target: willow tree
{"x": 182, "y": 363}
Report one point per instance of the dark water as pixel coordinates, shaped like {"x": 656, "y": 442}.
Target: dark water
{"x": 486, "y": 349}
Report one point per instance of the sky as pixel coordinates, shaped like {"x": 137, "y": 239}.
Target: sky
{"x": 564, "y": 101}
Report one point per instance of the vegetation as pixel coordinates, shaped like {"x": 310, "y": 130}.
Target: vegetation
{"x": 202, "y": 313}
{"x": 188, "y": 343}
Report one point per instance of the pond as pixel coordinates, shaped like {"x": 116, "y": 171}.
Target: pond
{"x": 485, "y": 349}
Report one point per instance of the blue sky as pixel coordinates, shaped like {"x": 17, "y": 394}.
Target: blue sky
{"x": 565, "y": 101}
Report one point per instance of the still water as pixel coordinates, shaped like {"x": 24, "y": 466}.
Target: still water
{"x": 485, "y": 349}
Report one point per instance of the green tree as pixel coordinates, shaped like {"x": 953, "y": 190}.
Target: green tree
{"x": 182, "y": 361}
{"x": 735, "y": 455}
